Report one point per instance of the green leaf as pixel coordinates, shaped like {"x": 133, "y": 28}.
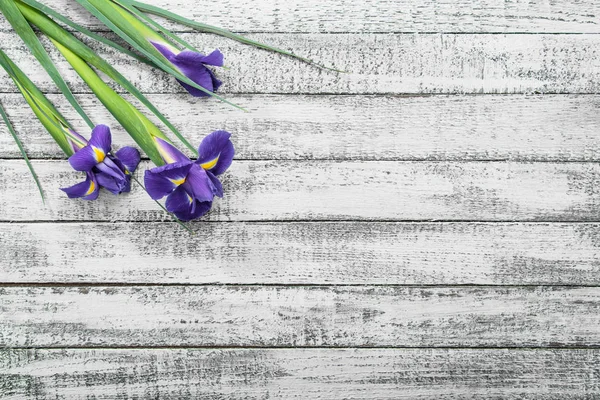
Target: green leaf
{"x": 22, "y": 151}
{"x": 141, "y": 45}
{"x": 156, "y": 25}
{"x": 20, "y": 25}
{"x": 145, "y": 48}
{"x": 59, "y": 34}
{"x": 45, "y": 111}
{"x": 48, "y": 11}
{"x": 161, "y": 12}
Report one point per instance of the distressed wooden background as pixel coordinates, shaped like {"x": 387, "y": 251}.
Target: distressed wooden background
{"x": 424, "y": 226}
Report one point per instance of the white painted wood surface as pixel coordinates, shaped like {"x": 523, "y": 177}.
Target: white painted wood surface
{"x": 341, "y": 127}
{"x": 345, "y": 316}
{"x": 440, "y": 200}
{"x": 302, "y": 373}
{"x": 375, "y": 64}
{"x": 325, "y": 190}
{"x": 302, "y": 253}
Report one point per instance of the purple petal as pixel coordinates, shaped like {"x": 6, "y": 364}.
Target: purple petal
{"x": 217, "y": 186}
{"x": 199, "y": 210}
{"x": 84, "y": 160}
{"x": 179, "y": 200}
{"x": 199, "y": 184}
{"x": 110, "y": 183}
{"x": 164, "y": 50}
{"x": 216, "y": 152}
{"x": 169, "y": 153}
{"x": 109, "y": 167}
{"x": 163, "y": 180}
{"x": 77, "y": 141}
{"x": 215, "y": 58}
{"x": 88, "y": 189}
{"x": 191, "y": 64}
{"x": 101, "y": 138}
{"x": 129, "y": 157}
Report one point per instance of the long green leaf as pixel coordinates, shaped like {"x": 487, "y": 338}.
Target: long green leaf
{"x": 45, "y": 111}
{"x": 48, "y": 11}
{"x": 22, "y": 151}
{"x": 59, "y": 34}
{"x": 21, "y": 26}
{"x": 161, "y": 12}
{"x": 156, "y": 25}
{"x": 139, "y": 127}
{"x": 153, "y": 54}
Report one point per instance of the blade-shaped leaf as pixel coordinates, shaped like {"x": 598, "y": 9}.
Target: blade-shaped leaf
{"x": 21, "y": 26}
{"x": 161, "y": 12}
{"x": 139, "y": 127}
{"x": 150, "y": 52}
{"x": 13, "y": 133}
{"x": 48, "y": 115}
{"x": 48, "y": 11}
{"x": 156, "y": 25}
{"x": 59, "y": 34}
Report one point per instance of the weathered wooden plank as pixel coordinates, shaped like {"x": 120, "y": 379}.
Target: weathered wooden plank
{"x": 299, "y": 316}
{"x": 301, "y": 374}
{"x": 375, "y": 16}
{"x": 303, "y": 253}
{"x": 532, "y": 128}
{"x": 376, "y": 63}
{"x": 323, "y": 190}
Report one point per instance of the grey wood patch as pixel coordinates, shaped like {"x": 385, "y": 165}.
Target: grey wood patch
{"x": 324, "y": 190}
{"x": 300, "y": 374}
{"x": 461, "y": 128}
{"x": 302, "y": 253}
{"x": 375, "y": 63}
{"x": 374, "y": 16}
{"x": 299, "y": 316}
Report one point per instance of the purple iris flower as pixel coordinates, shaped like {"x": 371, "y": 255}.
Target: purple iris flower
{"x": 193, "y": 65}
{"x": 103, "y": 169}
{"x": 190, "y": 186}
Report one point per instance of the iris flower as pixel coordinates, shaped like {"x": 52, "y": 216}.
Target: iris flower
{"x": 103, "y": 169}
{"x": 190, "y": 186}
{"x": 193, "y": 65}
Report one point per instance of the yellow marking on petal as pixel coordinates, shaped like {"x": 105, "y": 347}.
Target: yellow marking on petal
{"x": 210, "y": 164}
{"x": 178, "y": 181}
{"x": 190, "y": 199}
{"x": 99, "y": 154}
{"x": 91, "y": 189}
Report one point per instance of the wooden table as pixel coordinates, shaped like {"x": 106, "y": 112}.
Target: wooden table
{"x": 423, "y": 226}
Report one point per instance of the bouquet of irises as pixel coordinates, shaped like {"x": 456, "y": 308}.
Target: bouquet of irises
{"x": 189, "y": 185}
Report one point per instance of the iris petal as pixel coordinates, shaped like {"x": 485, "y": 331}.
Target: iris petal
{"x": 169, "y": 153}
{"x": 161, "y": 181}
{"x": 129, "y": 157}
{"x": 217, "y": 186}
{"x": 216, "y": 146}
{"x": 215, "y": 58}
{"x": 198, "y": 210}
{"x": 83, "y": 160}
{"x": 88, "y": 189}
{"x": 101, "y": 138}
{"x": 199, "y": 184}
{"x": 179, "y": 200}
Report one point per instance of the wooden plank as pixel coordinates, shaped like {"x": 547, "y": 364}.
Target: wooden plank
{"x": 386, "y": 63}
{"x": 300, "y": 373}
{"x": 353, "y": 316}
{"x": 302, "y": 253}
{"x": 375, "y": 16}
{"x": 531, "y": 128}
{"x": 323, "y": 190}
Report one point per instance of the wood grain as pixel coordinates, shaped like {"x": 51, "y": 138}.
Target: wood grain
{"x": 302, "y": 253}
{"x": 376, "y": 63}
{"x": 300, "y": 374}
{"x": 461, "y": 128}
{"x": 323, "y": 190}
{"x": 299, "y": 316}
{"x": 374, "y": 16}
